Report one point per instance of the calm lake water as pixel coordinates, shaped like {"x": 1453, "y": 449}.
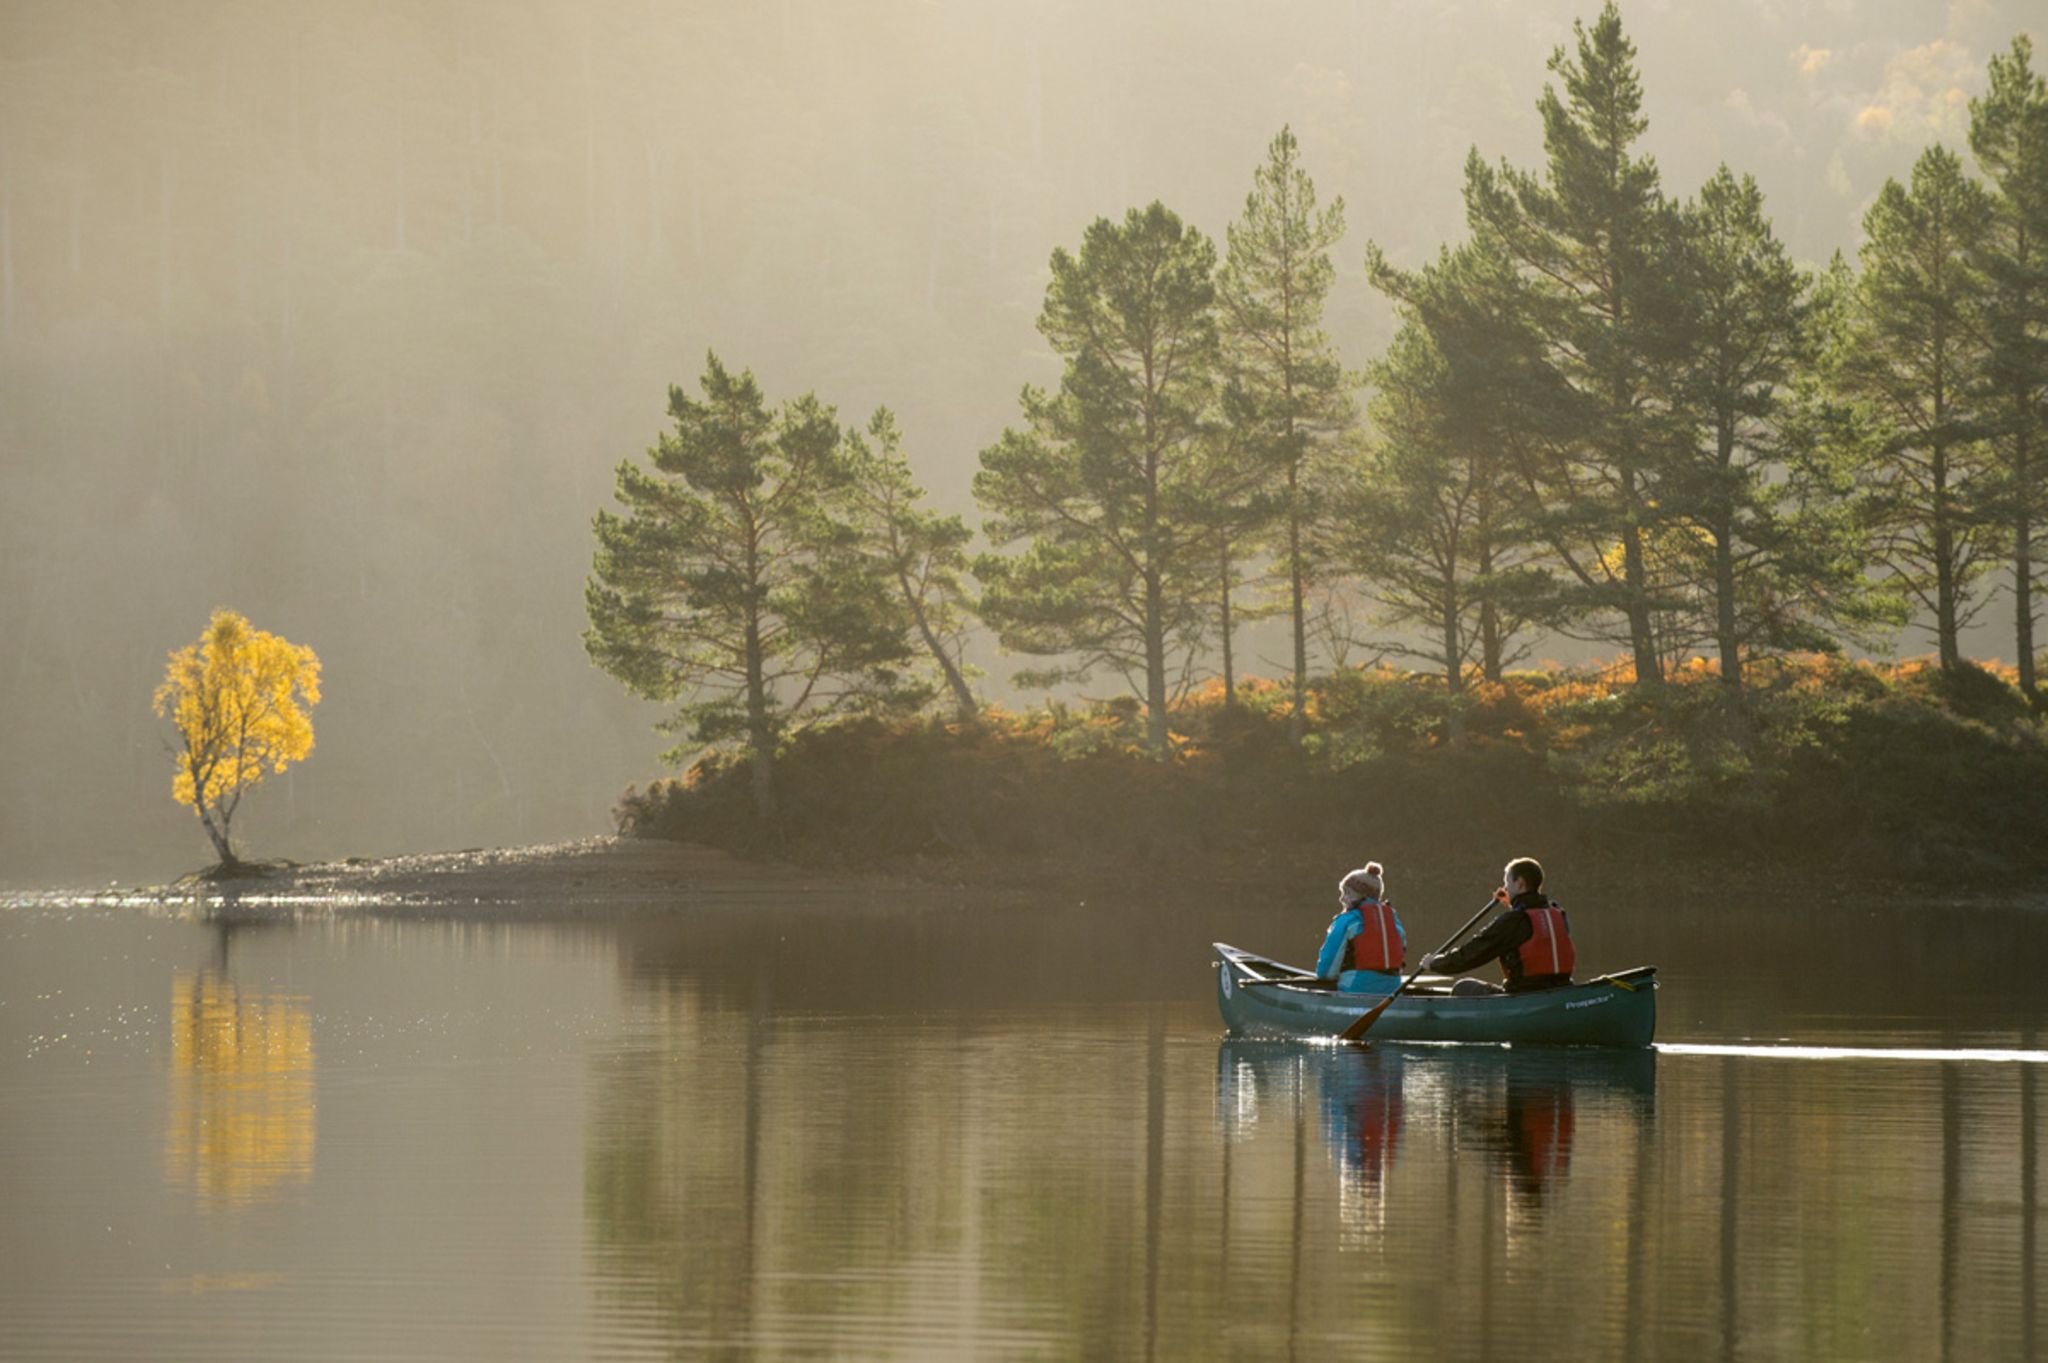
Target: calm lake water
{"x": 857, "y": 1129}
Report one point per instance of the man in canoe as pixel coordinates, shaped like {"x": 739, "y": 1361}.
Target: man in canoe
{"x": 1531, "y": 938}
{"x": 1365, "y": 948}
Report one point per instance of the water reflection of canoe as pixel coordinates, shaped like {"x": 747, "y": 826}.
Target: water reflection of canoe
{"x": 1262, "y": 997}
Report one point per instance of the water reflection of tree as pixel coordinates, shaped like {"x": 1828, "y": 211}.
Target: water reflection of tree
{"x": 241, "y": 1119}
{"x": 670, "y": 1182}
{"x": 761, "y": 1179}
{"x": 1862, "y": 1208}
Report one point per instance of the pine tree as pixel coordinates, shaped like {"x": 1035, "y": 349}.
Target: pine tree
{"x": 1297, "y": 402}
{"x": 733, "y": 581}
{"x": 1911, "y": 357}
{"x": 1110, "y": 480}
{"x": 2009, "y": 134}
{"x": 1774, "y": 557}
{"x": 1440, "y": 534}
{"x": 922, "y": 554}
{"x": 1590, "y": 239}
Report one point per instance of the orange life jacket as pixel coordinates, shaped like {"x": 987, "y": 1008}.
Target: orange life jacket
{"x": 1377, "y": 944}
{"x": 1549, "y": 948}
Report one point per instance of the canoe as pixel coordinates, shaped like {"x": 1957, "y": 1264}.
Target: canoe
{"x": 1264, "y": 998}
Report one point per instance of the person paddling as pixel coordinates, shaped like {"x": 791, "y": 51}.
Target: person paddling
{"x": 1365, "y": 947}
{"x": 1531, "y": 938}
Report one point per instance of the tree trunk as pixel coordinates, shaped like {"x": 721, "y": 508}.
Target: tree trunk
{"x": 964, "y": 703}
{"x": 1229, "y": 661}
{"x": 1635, "y": 581}
{"x": 1489, "y": 613}
{"x": 760, "y": 733}
{"x": 1946, "y": 630}
{"x": 1724, "y": 560}
{"x": 1155, "y": 609}
{"x": 1155, "y": 667}
{"x": 1724, "y": 608}
{"x": 963, "y": 696}
{"x": 965, "y": 706}
{"x": 216, "y": 826}
{"x": 2023, "y": 564}
{"x": 1454, "y": 670}
{"x": 1297, "y": 716}
{"x": 1642, "y": 637}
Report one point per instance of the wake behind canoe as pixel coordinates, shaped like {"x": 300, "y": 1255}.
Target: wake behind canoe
{"x": 1261, "y": 997}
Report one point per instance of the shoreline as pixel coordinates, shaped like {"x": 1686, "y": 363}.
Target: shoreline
{"x": 611, "y": 875}
{"x": 578, "y": 878}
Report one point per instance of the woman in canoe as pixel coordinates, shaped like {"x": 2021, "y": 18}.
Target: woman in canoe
{"x": 1531, "y": 938}
{"x": 1365, "y": 948}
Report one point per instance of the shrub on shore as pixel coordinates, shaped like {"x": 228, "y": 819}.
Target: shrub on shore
{"x": 1822, "y": 763}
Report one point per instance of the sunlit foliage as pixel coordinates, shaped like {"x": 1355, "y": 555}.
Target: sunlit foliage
{"x": 238, "y": 699}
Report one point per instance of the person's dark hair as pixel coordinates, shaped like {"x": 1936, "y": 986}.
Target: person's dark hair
{"x": 1528, "y": 869}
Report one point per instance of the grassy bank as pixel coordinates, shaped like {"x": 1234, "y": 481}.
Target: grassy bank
{"x": 1823, "y": 766}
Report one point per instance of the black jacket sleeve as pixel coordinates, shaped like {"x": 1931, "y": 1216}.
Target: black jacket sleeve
{"x": 1506, "y": 932}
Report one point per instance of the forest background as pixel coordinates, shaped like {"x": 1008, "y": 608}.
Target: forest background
{"x": 345, "y": 314}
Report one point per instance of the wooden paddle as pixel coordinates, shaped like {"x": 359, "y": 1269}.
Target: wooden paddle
{"x": 1372, "y": 1014}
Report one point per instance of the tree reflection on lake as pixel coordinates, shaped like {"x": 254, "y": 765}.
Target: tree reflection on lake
{"x": 241, "y": 1118}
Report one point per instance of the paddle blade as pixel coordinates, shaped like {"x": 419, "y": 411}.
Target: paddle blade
{"x": 1366, "y": 1020}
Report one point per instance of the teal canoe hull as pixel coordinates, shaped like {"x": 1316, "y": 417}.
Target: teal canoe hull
{"x": 1259, "y": 997}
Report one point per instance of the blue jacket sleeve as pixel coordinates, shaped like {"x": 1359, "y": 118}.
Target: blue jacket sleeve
{"x": 1341, "y": 928}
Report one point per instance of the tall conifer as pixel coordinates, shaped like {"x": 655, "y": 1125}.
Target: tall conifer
{"x": 732, "y": 581}
{"x": 1272, "y": 290}
{"x": 919, "y": 552}
{"x": 1911, "y": 359}
{"x": 1762, "y": 524}
{"x": 2009, "y": 134}
{"x": 1442, "y": 531}
{"x": 1589, "y": 239}
{"x": 1111, "y": 480}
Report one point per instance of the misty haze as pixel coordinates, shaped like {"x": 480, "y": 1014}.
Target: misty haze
{"x": 342, "y": 315}
{"x": 668, "y": 667}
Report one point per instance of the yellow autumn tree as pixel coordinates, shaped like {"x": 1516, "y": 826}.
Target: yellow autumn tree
{"x": 238, "y": 699}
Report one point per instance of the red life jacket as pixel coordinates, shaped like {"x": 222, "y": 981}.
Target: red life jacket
{"x": 1377, "y": 943}
{"x": 1549, "y": 948}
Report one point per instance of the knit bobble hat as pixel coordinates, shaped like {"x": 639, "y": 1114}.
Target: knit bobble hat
{"x": 1367, "y": 882}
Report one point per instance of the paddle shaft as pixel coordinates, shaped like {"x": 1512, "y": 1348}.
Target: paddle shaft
{"x": 1372, "y": 1015}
